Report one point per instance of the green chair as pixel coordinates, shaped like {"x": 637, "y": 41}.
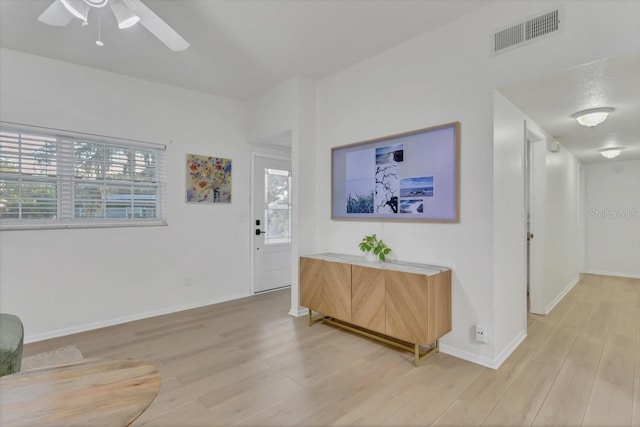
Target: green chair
{"x": 11, "y": 341}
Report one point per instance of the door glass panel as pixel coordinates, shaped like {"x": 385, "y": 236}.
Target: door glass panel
{"x": 277, "y": 206}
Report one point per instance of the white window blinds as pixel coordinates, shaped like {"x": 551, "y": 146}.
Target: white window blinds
{"x": 51, "y": 178}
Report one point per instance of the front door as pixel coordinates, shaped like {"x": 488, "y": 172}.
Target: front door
{"x": 271, "y": 223}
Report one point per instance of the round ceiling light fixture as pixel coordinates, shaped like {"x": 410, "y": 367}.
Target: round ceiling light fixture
{"x": 611, "y": 152}
{"x": 592, "y": 117}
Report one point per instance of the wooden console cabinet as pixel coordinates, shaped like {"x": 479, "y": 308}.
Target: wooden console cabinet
{"x": 404, "y": 301}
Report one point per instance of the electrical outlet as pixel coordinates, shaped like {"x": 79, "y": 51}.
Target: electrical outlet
{"x": 482, "y": 334}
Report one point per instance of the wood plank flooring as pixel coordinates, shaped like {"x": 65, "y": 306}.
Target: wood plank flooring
{"x": 246, "y": 362}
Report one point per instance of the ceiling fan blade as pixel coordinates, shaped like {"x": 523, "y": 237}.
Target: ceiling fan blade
{"x": 158, "y": 27}
{"x": 56, "y": 14}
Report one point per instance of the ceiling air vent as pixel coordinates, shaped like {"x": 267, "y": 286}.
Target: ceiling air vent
{"x": 524, "y": 32}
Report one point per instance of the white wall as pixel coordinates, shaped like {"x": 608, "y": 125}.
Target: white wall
{"x": 306, "y": 183}
{"x": 613, "y": 218}
{"x": 60, "y": 281}
{"x": 448, "y": 75}
{"x": 509, "y": 267}
{"x": 290, "y": 108}
{"x": 561, "y": 262}
{"x": 555, "y": 249}
{"x": 272, "y": 113}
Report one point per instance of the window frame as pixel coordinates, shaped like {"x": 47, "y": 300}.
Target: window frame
{"x": 66, "y": 179}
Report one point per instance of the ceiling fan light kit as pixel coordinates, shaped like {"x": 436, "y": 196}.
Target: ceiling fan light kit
{"x": 127, "y": 12}
{"x": 592, "y": 117}
{"x": 126, "y": 18}
{"x": 96, "y": 3}
{"x": 77, "y": 8}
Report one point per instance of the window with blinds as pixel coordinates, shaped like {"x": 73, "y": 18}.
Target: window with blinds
{"x": 51, "y": 178}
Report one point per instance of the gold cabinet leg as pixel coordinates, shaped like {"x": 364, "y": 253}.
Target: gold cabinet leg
{"x": 419, "y": 357}
{"x": 418, "y": 354}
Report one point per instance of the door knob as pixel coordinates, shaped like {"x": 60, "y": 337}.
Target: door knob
{"x": 258, "y": 231}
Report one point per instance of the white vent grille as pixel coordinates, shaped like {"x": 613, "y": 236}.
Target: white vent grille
{"x": 542, "y": 25}
{"x": 526, "y": 31}
{"x": 509, "y": 37}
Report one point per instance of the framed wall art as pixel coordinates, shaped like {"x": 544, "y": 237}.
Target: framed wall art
{"x": 208, "y": 179}
{"x": 408, "y": 176}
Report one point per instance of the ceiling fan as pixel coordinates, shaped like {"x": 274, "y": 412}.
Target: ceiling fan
{"x": 128, "y": 12}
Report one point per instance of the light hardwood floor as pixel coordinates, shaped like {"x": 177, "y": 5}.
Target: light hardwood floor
{"x": 247, "y": 362}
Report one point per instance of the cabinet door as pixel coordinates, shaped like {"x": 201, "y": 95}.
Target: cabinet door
{"x": 311, "y": 283}
{"x": 439, "y": 305}
{"x": 406, "y": 306}
{"x": 336, "y": 298}
{"x": 367, "y": 298}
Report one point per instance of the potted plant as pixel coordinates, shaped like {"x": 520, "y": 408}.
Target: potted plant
{"x": 373, "y": 248}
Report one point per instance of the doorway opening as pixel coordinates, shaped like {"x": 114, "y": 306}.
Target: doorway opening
{"x": 533, "y": 161}
{"x": 271, "y": 223}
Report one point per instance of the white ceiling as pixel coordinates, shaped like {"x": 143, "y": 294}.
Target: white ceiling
{"x": 239, "y": 48}
{"x": 614, "y": 82}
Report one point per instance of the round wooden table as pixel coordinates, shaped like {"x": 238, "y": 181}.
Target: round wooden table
{"x": 88, "y": 393}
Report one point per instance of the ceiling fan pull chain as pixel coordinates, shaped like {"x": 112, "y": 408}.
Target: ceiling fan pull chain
{"x": 99, "y": 41}
{"x": 127, "y": 13}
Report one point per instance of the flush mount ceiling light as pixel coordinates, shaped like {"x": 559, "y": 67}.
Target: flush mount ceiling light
{"x": 128, "y": 12}
{"x": 592, "y": 117}
{"x": 611, "y": 152}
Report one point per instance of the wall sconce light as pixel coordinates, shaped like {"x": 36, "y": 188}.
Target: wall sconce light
{"x": 592, "y": 117}
{"x": 611, "y": 152}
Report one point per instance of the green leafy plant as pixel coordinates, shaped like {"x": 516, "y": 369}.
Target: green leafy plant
{"x": 372, "y": 244}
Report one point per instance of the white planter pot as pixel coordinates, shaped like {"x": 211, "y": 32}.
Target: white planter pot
{"x": 371, "y": 257}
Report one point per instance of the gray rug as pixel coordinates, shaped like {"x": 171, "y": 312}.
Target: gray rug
{"x": 61, "y": 356}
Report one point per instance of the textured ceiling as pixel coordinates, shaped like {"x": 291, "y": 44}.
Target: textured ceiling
{"x": 613, "y": 82}
{"x": 238, "y": 48}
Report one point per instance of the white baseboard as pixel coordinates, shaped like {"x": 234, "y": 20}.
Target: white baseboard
{"x": 298, "y": 313}
{"x": 124, "y": 319}
{"x": 561, "y": 295}
{"x": 468, "y": 356}
{"x": 510, "y": 348}
{"x": 485, "y": 361}
{"x": 613, "y": 273}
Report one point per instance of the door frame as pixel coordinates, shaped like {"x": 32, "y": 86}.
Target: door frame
{"x": 531, "y": 222}
{"x": 263, "y": 155}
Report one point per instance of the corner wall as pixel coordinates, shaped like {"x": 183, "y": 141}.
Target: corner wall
{"x": 509, "y": 266}
{"x": 291, "y": 107}
{"x": 561, "y": 207}
{"x": 64, "y": 281}
{"x": 555, "y": 219}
